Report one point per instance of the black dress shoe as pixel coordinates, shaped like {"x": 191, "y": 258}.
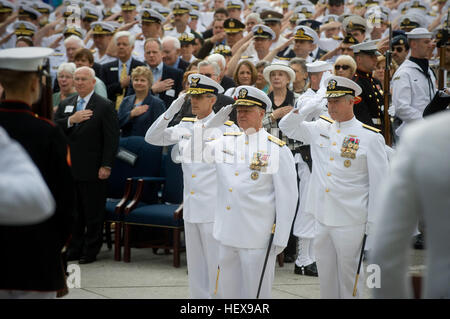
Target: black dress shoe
{"x": 87, "y": 260}
{"x": 289, "y": 258}
{"x": 310, "y": 270}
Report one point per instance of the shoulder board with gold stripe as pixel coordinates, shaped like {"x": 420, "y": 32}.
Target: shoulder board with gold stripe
{"x": 371, "y": 128}
{"x": 232, "y": 133}
{"x": 188, "y": 119}
{"x": 282, "y": 58}
{"x": 326, "y": 119}
{"x": 168, "y": 28}
{"x": 276, "y": 140}
{"x": 57, "y": 54}
{"x": 228, "y": 123}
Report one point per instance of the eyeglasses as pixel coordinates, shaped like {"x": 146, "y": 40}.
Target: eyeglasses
{"x": 343, "y": 67}
{"x": 398, "y": 49}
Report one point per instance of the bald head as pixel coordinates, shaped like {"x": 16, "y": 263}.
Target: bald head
{"x": 84, "y": 80}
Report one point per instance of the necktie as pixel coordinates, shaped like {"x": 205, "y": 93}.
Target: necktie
{"x": 123, "y": 75}
{"x": 80, "y": 104}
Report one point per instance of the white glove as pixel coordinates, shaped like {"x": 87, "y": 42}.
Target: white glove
{"x": 175, "y": 107}
{"x": 220, "y": 117}
{"x": 310, "y": 106}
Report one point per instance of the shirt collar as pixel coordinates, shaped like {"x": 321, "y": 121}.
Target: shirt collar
{"x": 346, "y": 124}
{"x": 86, "y": 98}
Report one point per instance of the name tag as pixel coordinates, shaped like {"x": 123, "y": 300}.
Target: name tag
{"x": 170, "y": 93}
{"x": 114, "y": 69}
{"x": 68, "y": 109}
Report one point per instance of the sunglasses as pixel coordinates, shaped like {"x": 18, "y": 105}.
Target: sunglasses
{"x": 343, "y": 67}
{"x": 398, "y": 49}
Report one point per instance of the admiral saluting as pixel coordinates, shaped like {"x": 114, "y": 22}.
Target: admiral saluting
{"x": 350, "y": 163}
{"x": 256, "y": 183}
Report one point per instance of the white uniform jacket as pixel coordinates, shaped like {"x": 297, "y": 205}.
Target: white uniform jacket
{"x": 411, "y": 92}
{"x": 343, "y": 190}
{"x": 249, "y": 198}
{"x": 199, "y": 177}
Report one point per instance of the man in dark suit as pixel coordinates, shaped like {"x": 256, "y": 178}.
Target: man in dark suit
{"x": 31, "y": 255}
{"x": 91, "y": 125}
{"x": 167, "y": 81}
{"x": 211, "y": 70}
{"x": 116, "y": 74}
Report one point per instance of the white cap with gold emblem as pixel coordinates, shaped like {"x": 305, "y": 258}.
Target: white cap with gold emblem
{"x": 201, "y": 84}
{"x": 250, "y": 96}
{"x": 338, "y": 86}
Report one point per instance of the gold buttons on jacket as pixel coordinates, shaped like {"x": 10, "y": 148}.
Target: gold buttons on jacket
{"x": 327, "y": 189}
{"x": 334, "y": 143}
{"x": 331, "y": 158}
{"x": 193, "y": 175}
{"x": 339, "y": 131}
{"x": 192, "y": 193}
{"x": 228, "y": 207}
{"x": 328, "y": 174}
{"x": 237, "y": 173}
{"x": 230, "y": 189}
{"x": 246, "y": 142}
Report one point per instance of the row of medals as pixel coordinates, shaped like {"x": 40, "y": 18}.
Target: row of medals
{"x": 259, "y": 161}
{"x": 350, "y": 146}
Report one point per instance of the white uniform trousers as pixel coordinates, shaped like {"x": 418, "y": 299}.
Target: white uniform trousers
{"x": 304, "y": 224}
{"x": 27, "y": 294}
{"x": 202, "y": 252}
{"x": 337, "y": 255}
{"x": 240, "y": 273}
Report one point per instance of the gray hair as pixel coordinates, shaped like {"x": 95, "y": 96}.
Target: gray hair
{"x": 131, "y": 37}
{"x": 90, "y": 70}
{"x": 255, "y": 16}
{"x": 301, "y": 62}
{"x": 74, "y": 38}
{"x": 68, "y": 67}
{"x": 214, "y": 65}
{"x": 219, "y": 59}
{"x": 175, "y": 41}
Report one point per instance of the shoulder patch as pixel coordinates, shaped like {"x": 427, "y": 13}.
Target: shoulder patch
{"x": 228, "y": 123}
{"x": 326, "y": 119}
{"x": 371, "y": 128}
{"x": 276, "y": 140}
{"x": 188, "y": 119}
{"x": 232, "y": 133}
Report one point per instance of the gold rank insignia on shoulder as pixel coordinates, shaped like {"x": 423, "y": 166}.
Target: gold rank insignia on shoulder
{"x": 276, "y": 140}
{"x": 232, "y": 133}
{"x": 396, "y": 78}
{"x": 371, "y": 128}
{"x": 188, "y": 119}
{"x": 228, "y": 123}
{"x": 350, "y": 146}
{"x": 326, "y": 119}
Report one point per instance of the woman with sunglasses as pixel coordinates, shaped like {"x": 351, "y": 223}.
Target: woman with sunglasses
{"x": 345, "y": 66}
